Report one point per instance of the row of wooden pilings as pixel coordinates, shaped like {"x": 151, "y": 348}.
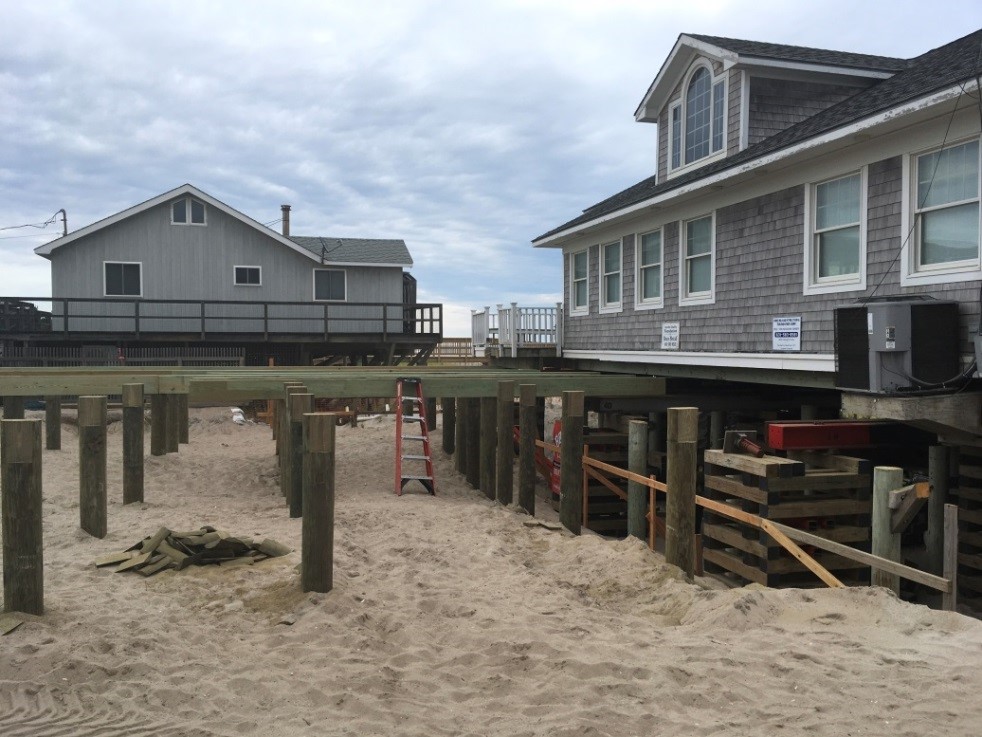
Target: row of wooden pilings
{"x": 21, "y": 482}
{"x": 478, "y": 432}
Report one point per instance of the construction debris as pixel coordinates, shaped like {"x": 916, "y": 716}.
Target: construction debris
{"x": 207, "y": 545}
{"x": 9, "y": 622}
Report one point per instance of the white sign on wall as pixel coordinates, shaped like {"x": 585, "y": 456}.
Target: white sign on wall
{"x": 669, "y": 336}
{"x": 786, "y": 334}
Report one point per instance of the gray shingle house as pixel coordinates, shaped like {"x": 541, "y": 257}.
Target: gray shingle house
{"x": 184, "y": 265}
{"x": 788, "y": 182}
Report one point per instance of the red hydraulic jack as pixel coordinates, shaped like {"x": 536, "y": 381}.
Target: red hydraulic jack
{"x": 417, "y": 414}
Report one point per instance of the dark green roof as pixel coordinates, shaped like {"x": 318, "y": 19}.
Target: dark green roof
{"x": 366, "y": 251}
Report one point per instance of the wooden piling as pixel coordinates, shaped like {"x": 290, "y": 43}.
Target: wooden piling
{"x": 300, "y": 405}
{"x": 489, "y": 444}
{"x": 183, "y": 419}
{"x": 473, "y": 436}
{"x": 317, "y": 530}
{"x": 504, "y": 472}
{"x": 637, "y": 494}
{"x": 571, "y": 462}
{"x": 949, "y": 599}
{"x": 934, "y": 537}
{"x": 460, "y": 436}
{"x": 286, "y": 440}
{"x": 23, "y": 549}
{"x": 158, "y": 424}
{"x": 431, "y": 422}
{"x": 52, "y": 423}
{"x": 13, "y": 408}
{"x": 526, "y": 447}
{"x": 173, "y": 412}
{"x": 680, "y": 508}
{"x": 886, "y": 543}
{"x": 716, "y": 430}
{"x": 449, "y": 405}
{"x": 92, "y": 464}
{"x": 132, "y": 443}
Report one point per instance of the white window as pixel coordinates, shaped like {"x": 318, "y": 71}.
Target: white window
{"x": 698, "y": 120}
{"x": 122, "y": 278}
{"x": 835, "y": 248}
{"x": 329, "y": 285}
{"x": 248, "y": 276}
{"x": 578, "y": 283}
{"x": 648, "y": 273}
{"x": 698, "y": 248}
{"x": 942, "y": 240}
{"x": 611, "y": 282}
{"x": 187, "y": 211}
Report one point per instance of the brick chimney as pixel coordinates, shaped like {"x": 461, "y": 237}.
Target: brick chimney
{"x": 286, "y": 219}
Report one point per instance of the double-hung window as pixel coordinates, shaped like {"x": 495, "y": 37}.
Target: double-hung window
{"x": 835, "y": 256}
{"x": 610, "y": 283}
{"x": 578, "y": 283}
{"x": 698, "y": 254}
{"x": 649, "y": 270}
{"x": 122, "y": 279}
{"x": 698, "y": 120}
{"x": 329, "y": 285}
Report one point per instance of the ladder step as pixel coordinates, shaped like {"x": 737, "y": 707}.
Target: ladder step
{"x": 415, "y": 437}
{"x": 411, "y": 399}
{"x": 415, "y": 458}
{"x": 406, "y": 477}
{"x": 412, "y": 418}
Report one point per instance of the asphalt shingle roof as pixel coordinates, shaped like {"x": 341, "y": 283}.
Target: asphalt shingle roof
{"x": 804, "y": 54}
{"x": 356, "y": 250}
{"x": 933, "y": 71}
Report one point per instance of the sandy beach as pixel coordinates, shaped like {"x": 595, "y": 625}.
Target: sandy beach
{"x": 449, "y": 616}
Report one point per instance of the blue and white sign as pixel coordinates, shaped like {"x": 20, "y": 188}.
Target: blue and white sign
{"x": 786, "y": 334}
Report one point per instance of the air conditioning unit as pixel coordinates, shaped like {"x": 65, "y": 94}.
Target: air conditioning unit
{"x": 882, "y": 344}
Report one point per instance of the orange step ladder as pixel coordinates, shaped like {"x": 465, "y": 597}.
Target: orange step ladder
{"x": 417, "y": 415}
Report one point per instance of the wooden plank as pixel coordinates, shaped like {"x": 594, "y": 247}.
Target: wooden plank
{"x": 823, "y": 508}
{"x": 731, "y": 537}
{"x": 728, "y": 510}
{"x": 9, "y": 621}
{"x": 792, "y": 547}
{"x": 624, "y": 474}
{"x": 136, "y": 560}
{"x": 909, "y": 502}
{"x": 818, "y": 481}
{"x": 732, "y": 564}
{"x": 949, "y": 600}
{"x": 768, "y": 466}
{"x": 733, "y": 487}
{"x": 113, "y": 558}
{"x": 591, "y": 473}
{"x": 832, "y": 461}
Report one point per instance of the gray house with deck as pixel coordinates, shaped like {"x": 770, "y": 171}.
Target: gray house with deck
{"x": 184, "y": 266}
{"x": 790, "y": 185}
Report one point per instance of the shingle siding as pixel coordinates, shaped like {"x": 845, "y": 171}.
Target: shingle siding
{"x": 734, "y": 91}
{"x": 776, "y": 104}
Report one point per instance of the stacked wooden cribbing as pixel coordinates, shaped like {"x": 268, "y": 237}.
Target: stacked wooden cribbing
{"x": 607, "y": 512}
{"x": 969, "y": 493}
{"x": 828, "y": 495}
{"x": 204, "y": 546}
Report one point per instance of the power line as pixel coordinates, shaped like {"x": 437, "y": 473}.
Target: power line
{"x": 39, "y": 226}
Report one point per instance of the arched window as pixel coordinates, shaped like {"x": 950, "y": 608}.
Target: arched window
{"x": 697, "y": 119}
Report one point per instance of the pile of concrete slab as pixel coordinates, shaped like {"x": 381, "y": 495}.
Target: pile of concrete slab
{"x": 206, "y": 545}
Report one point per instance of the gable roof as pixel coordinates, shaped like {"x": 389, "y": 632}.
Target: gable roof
{"x": 930, "y": 73}
{"x": 343, "y": 251}
{"x": 358, "y": 252}
{"x": 803, "y": 54}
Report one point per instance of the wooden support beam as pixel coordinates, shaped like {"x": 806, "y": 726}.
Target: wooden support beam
{"x": 92, "y": 465}
{"x": 716, "y": 430}
{"x": 473, "y": 442}
{"x": 571, "y": 462}
{"x": 52, "y": 423}
{"x": 905, "y": 503}
{"x": 460, "y": 435}
{"x": 133, "y": 476}
{"x": 489, "y": 444}
{"x": 158, "y": 424}
{"x": 505, "y": 458}
{"x": 183, "y": 419}
{"x": 680, "y": 510}
{"x": 526, "y": 448}
{"x": 637, "y": 462}
{"x": 20, "y": 516}
{"x": 938, "y": 460}
{"x": 286, "y": 440}
{"x": 949, "y": 600}
{"x": 886, "y": 543}
{"x": 13, "y": 408}
{"x": 449, "y": 405}
{"x": 317, "y": 543}
{"x": 300, "y": 405}
{"x": 431, "y": 412}
{"x": 173, "y": 412}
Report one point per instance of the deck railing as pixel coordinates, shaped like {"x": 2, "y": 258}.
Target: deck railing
{"x": 207, "y": 318}
{"x": 512, "y": 328}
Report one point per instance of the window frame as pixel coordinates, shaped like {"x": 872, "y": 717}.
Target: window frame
{"x": 188, "y": 209}
{"x": 235, "y": 276}
{"x": 957, "y": 271}
{"x": 812, "y": 283}
{"x": 640, "y": 303}
{"x": 605, "y": 305}
{"x": 313, "y": 279}
{"x": 105, "y": 284}
{"x": 697, "y": 298}
{"x": 680, "y": 105}
{"x": 574, "y": 309}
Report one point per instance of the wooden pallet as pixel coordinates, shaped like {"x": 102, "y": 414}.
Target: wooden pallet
{"x": 828, "y": 495}
{"x": 607, "y": 513}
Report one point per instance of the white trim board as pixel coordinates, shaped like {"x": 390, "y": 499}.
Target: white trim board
{"x": 824, "y": 362}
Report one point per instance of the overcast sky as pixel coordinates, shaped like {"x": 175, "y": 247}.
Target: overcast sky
{"x": 465, "y": 128}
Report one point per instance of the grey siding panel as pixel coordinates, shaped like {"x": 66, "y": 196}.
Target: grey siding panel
{"x": 776, "y": 104}
{"x": 734, "y": 91}
{"x": 197, "y": 263}
{"x": 759, "y": 275}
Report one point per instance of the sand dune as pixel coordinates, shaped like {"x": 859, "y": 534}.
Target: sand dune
{"x": 449, "y": 617}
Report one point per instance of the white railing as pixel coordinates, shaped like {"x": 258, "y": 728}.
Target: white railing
{"x": 512, "y": 328}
